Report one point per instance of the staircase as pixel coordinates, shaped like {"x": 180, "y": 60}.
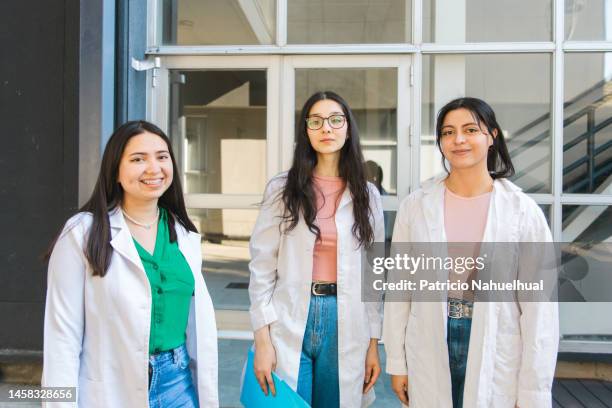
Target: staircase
{"x": 587, "y": 159}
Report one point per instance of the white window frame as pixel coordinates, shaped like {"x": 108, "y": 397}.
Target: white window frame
{"x": 159, "y": 106}
{"x": 405, "y": 118}
{"x": 326, "y": 54}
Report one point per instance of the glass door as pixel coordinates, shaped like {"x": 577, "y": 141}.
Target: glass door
{"x": 231, "y": 120}
{"x": 221, "y": 114}
{"x": 378, "y": 90}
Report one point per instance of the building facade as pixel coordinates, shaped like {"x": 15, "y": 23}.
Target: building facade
{"x": 227, "y": 78}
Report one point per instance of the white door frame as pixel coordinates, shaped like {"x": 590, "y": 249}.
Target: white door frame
{"x": 158, "y": 110}
{"x": 281, "y": 108}
{"x": 404, "y": 112}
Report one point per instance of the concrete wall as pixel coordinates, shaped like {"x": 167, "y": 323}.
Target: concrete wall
{"x": 39, "y": 159}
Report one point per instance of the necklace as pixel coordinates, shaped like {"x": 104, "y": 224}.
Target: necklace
{"x": 141, "y": 224}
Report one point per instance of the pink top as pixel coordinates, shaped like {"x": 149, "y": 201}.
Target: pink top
{"x": 328, "y": 191}
{"x": 465, "y": 219}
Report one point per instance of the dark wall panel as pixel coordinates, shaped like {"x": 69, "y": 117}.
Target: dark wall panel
{"x": 131, "y": 39}
{"x": 39, "y": 162}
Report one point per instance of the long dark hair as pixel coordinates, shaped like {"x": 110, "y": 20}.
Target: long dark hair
{"x": 499, "y": 163}
{"x": 108, "y": 193}
{"x": 298, "y": 195}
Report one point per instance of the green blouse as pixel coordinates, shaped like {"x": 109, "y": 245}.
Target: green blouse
{"x": 172, "y": 286}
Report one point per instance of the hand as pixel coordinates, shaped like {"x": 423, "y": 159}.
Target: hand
{"x": 372, "y": 366}
{"x": 399, "y": 385}
{"x": 265, "y": 360}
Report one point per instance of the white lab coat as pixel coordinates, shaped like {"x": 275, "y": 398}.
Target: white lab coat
{"x": 279, "y": 289}
{"x": 96, "y": 334}
{"x": 513, "y": 345}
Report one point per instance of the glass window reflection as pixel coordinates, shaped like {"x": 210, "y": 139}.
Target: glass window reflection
{"x": 206, "y": 22}
{"x": 218, "y": 130}
{"x": 348, "y": 22}
{"x": 372, "y": 95}
{"x": 518, "y": 88}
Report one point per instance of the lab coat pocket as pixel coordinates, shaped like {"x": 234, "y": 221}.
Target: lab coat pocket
{"x": 507, "y": 365}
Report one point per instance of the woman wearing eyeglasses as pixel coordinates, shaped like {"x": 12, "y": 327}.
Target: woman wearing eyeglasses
{"x": 460, "y": 352}
{"x": 310, "y": 324}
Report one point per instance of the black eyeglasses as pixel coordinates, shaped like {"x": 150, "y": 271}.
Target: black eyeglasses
{"x": 316, "y": 122}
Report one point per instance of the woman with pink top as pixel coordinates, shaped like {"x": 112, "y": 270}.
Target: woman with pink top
{"x": 310, "y": 324}
{"x": 460, "y": 353}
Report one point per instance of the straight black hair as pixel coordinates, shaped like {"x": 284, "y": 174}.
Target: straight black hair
{"x": 107, "y": 195}
{"x": 499, "y": 163}
{"x": 298, "y": 195}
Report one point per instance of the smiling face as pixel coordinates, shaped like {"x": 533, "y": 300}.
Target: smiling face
{"x": 330, "y": 138}
{"x": 464, "y": 143}
{"x": 145, "y": 169}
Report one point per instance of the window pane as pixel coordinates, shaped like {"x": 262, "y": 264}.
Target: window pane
{"x": 218, "y": 130}
{"x": 587, "y": 133}
{"x": 372, "y": 96}
{"x": 517, "y": 86}
{"x": 348, "y": 21}
{"x": 225, "y": 248}
{"x": 461, "y": 21}
{"x": 546, "y": 209}
{"x": 582, "y": 274}
{"x": 587, "y": 20}
{"x": 206, "y": 22}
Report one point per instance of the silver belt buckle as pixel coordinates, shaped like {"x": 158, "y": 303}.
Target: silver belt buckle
{"x": 455, "y": 310}
{"x": 314, "y": 289}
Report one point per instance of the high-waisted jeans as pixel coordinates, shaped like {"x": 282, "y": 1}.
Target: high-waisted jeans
{"x": 458, "y": 341}
{"x": 318, "y": 382}
{"x": 170, "y": 383}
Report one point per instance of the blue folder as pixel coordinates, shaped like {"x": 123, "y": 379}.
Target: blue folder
{"x": 253, "y": 397}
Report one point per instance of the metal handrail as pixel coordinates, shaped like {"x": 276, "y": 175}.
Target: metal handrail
{"x": 572, "y": 101}
{"x": 593, "y": 171}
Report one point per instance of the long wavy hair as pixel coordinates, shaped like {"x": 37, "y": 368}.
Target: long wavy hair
{"x": 298, "y": 195}
{"x": 108, "y": 193}
{"x": 499, "y": 163}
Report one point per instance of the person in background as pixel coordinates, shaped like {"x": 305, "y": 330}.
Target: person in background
{"x": 374, "y": 174}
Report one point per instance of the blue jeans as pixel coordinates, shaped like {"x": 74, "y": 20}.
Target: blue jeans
{"x": 458, "y": 341}
{"x": 318, "y": 382}
{"x": 170, "y": 383}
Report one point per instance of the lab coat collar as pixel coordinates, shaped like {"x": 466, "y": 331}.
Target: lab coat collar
{"x": 433, "y": 208}
{"x": 346, "y": 198}
{"x": 189, "y": 244}
{"x": 123, "y": 243}
{"x": 437, "y": 185}
{"x": 122, "y": 240}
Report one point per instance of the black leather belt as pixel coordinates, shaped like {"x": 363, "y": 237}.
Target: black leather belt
{"x": 323, "y": 289}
